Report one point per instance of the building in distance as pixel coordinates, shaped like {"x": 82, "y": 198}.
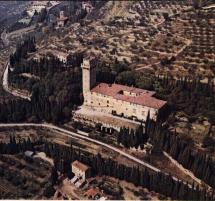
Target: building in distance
{"x": 62, "y": 19}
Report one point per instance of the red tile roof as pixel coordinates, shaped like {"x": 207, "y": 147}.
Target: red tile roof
{"x": 92, "y": 192}
{"x": 62, "y": 18}
{"x": 142, "y": 97}
{"x": 80, "y": 166}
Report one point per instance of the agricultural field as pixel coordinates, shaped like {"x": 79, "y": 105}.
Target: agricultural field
{"x": 133, "y": 36}
{"x": 161, "y": 37}
{"x": 28, "y": 182}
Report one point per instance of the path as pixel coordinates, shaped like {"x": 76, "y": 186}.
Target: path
{"x": 188, "y": 172}
{"x": 187, "y": 41}
{"x": 209, "y": 7}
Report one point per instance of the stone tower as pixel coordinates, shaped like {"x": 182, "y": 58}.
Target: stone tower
{"x": 88, "y": 77}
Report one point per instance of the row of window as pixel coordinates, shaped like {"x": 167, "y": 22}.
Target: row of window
{"x": 134, "y": 110}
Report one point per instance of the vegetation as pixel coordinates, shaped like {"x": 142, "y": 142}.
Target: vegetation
{"x": 130, "y": 138}
{"x": 14, "y": 146}
{"x": 28, "y": 181}
{"x": 155, "y": 181}
{"x": 209, "y": 141}
{"x": 22, "y": 50}
{"x": 42, "y": 15}
{"x": 182, "y": 149}
{"x": 55, "y": 87}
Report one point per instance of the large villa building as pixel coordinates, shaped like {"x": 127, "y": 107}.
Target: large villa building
{"x": 129, "y": 102}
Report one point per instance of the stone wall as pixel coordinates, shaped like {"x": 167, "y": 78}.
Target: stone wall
{"x": 108, "y": 104}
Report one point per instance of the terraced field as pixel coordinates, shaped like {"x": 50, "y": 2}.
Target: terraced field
{"x": 162, "y": 37}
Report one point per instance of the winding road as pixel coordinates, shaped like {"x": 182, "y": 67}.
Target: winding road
{"x": 9, "y": 89}
{"x": 4, "y": 38}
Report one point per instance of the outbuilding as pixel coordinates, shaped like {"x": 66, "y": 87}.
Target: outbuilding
{"x": 81, "y": 170}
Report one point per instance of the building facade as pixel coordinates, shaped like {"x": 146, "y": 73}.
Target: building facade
{"x": 80, "y": 170}
{"x": 118, "y": 99}
{"x": 61, "y": 21}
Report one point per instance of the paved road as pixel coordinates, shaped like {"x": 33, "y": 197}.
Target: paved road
{"x": 8, "y": 89}
{"x": 5, "y": 38}
{"x": 5, "y": 84}
{"x": 209, "y": 7}
{"x": 68, "y": 133}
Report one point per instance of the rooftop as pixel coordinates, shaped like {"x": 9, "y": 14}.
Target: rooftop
{"x": 62, "y": 18}
{"x": 92, "y": 192}
{"x": 80, "y": 166}
{"x": 129, "y": 94}
{"x": 29, "y": 153}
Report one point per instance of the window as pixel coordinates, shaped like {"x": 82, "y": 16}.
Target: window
{"x": 143, "y": 113}
{"x": 134, "y": 111}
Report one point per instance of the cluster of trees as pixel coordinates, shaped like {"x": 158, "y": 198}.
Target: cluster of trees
{"x": 199, "y": 3}
{"x": 22, "y": 50}
{"x": 130, "y": 138}
{"x": 53, "y": 98}
{"x": 14, "y": 146}
{"x": 55, "y": 86}
{"x": 15, "y": 110}
{"x": 118, "y": 72}
{"x": 192, "y": 97}
{"x": 181, "y": 148}
{"x": 209, "y": 142}
{"x": 155, "y": 181}
{"x": 46, "y": 66}
{"x": 16, "y": 26}
{"x": 42, "y": 15}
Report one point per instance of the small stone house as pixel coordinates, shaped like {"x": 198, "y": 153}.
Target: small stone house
{"x": 81, "y": 170}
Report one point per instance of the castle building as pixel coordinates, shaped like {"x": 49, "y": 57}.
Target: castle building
{"x": 128, "y": 102}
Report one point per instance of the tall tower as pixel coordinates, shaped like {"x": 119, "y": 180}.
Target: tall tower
{"x": 88, "y": 77}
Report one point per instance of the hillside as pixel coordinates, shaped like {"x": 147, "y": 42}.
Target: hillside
{"x": 164, "y": 46}
{"x": 149, "y": 36}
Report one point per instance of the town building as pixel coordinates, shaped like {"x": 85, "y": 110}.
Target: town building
{"x": 26, "y": 21}
{"x": 36, "y": 6}
{"x": 81, "y": 171}
{"x": 61, "y": 21}
{"x": 116, "y": 99}
{"x": 29, "y": 154}
{"x": 86, "y": 6}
